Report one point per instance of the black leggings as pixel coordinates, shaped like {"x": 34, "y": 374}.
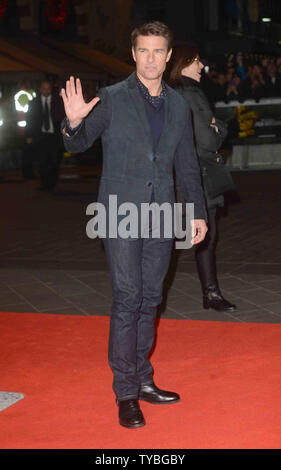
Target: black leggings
{"x": 205, "y": 254}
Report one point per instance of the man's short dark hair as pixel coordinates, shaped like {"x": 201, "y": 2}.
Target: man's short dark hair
{"x": 45, "y": 80}
{"x": 152, "y": 28}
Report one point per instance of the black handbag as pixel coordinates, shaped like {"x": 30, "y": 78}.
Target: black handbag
{"x": 216, "y": 177}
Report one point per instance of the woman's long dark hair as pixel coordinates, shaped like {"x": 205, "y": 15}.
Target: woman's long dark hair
{"x": 183, "y": 55}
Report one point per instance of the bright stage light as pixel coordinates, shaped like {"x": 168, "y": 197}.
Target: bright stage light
{"x": 22, "y": 98}
{"x": 22, "y": 123}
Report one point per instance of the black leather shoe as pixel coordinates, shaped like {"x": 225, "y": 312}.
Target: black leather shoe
{"x": 214, "y": 299}
{"x": 153, "y": 394}
{"x": 130, "y": 414}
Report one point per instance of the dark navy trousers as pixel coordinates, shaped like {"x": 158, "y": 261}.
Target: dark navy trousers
{"x": 137, "y": 269}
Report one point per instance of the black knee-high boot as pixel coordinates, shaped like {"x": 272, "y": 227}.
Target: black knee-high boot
{"x": 205, "y": 255}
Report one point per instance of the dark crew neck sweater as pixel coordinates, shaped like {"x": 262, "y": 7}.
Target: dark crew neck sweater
{"x": 155, "y": 109}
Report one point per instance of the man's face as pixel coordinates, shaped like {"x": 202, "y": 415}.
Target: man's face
{"x": 236, "y": 80}
{"x": 151, "y": 56}
{"x": 271, "y": 70}
{"x": 45, "y": 89}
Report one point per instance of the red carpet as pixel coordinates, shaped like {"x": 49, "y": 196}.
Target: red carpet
{"x": 228, "y": 375}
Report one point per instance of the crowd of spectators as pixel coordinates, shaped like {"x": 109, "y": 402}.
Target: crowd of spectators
{"x": 240, "y": 77}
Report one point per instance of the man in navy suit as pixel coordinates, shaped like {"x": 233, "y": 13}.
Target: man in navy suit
{"x": 146, "y": 131}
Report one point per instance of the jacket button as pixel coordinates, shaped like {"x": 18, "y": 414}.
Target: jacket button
{"x": 149, "y": 183}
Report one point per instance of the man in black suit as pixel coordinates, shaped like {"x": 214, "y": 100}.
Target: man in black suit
{"x": 272, "y": 81}
{"x": 146, "y": 130}
{"x": 43, "y": 134}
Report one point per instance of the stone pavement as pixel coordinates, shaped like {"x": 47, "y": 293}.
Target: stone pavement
{"x": 48, "y": 265}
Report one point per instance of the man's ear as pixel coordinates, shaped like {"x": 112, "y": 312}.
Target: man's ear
{"x": 169, "y": 55}
{"x": 133, "y": 54}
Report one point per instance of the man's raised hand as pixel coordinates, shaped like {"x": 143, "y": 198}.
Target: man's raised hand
{"x": 75, "y": 107}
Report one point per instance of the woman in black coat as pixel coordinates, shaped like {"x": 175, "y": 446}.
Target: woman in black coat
{"x": 209, "y": 133}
